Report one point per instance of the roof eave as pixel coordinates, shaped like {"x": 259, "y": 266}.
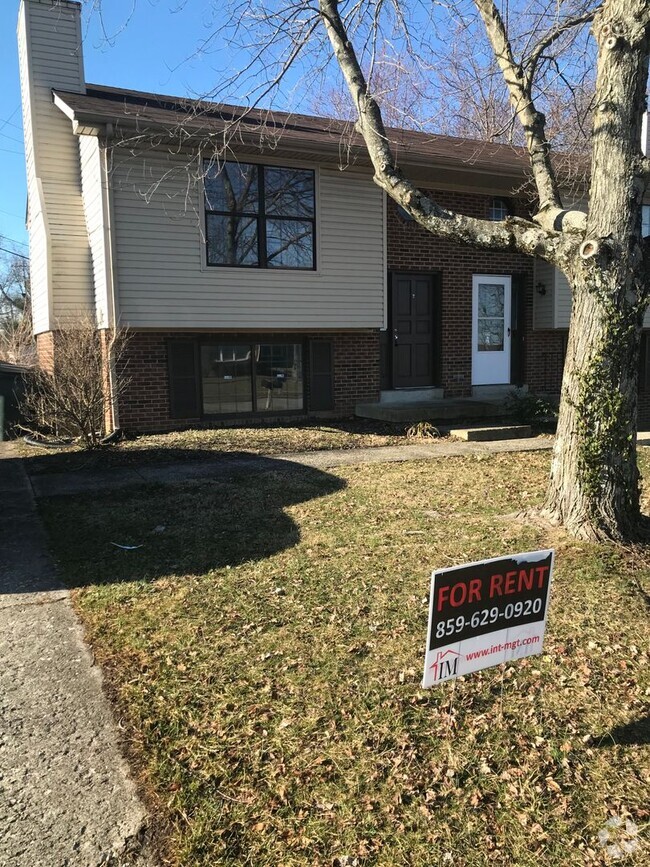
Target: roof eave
{"x": 114, "y": 127}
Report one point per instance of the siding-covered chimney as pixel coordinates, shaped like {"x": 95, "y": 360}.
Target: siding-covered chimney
{"x": 50, "y": 54}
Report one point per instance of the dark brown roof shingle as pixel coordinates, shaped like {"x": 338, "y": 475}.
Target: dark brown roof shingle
{"x": 135, "y": 112}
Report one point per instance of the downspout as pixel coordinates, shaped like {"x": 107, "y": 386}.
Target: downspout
{"x": 109, "y": 252}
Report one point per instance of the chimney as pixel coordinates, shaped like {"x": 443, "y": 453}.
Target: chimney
{"x": 50, "y": 56}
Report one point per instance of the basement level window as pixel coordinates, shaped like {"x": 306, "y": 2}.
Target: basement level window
{"x": 260, "y": 216}
{"x": 251, "y": 377}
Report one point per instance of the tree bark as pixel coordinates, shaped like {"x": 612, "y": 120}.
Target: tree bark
{"x": 594, "y": 484}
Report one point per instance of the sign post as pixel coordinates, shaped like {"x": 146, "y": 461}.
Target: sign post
{"x": 485, "y": 613}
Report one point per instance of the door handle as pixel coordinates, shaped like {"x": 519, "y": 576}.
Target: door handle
{"x": 395, "y": 336}
{"x": 508, "y": 332}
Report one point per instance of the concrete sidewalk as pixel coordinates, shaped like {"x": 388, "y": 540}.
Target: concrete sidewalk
{"x": 65, "y": 794}
{"x": 55, "y": 484}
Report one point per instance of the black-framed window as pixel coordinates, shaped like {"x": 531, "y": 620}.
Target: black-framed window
{"x": 251, "y": 377}
{"x": 260, "y": 216}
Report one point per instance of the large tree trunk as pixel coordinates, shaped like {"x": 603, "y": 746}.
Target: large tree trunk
{"x": 594, "y": 486}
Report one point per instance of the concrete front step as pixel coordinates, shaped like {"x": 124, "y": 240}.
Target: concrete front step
{"x": 492, "y": 432}
{"x": 436, "y": 411}
{"x": 411, "y": 395}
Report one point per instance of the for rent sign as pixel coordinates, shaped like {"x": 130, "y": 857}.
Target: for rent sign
{"x": 485, "y": 613}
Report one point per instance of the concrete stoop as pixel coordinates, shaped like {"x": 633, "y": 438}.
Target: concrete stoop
{"x": 491, "y": 433}
{"x": 436, "y": 411}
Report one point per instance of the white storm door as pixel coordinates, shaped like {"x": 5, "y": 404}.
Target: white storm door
{"x": 491, "y": 300}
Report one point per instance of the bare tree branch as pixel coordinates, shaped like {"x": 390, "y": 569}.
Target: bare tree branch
{"x": 533, "y": 58}
{"x": 511, "y": 234}
{"x": 533, "y": 122}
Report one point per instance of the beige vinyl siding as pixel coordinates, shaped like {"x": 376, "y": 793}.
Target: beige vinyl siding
{"x": 94, "y": 203}
{"x": 543, "y": 305}
{"x": 563, "y": 300}
{"x": 50, "y": 52}
{"x": 164, "y": 282}
{"x": 552, "y": 310}
{"x": 37, "y": 230}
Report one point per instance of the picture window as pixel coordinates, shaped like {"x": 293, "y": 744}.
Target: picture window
{"x": 260, "y": 216}
{"x": 251, "y": 377}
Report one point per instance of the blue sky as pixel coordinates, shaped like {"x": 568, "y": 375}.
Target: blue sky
{"x": 152, "y": 47}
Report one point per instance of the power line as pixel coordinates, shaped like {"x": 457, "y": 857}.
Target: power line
{"x": 17, "y": 126}
{"x": 8, "y": 120}
{"x": 8, "y": 151}
{"x": 17, "y": 216}
{"x": 13, "y": 240}
{"x": 11, "y": 137}
{"x": 13, "y": 253}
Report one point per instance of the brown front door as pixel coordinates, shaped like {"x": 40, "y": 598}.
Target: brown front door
{"x": 414, "y": 329}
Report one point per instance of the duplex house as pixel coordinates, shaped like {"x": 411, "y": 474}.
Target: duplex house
{"x": 258, "y": 269}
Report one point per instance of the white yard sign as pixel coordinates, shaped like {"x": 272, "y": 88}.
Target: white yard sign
{"x": 485, "y": 613}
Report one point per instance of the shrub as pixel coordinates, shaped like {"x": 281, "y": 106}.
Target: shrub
{"x": 528, "y": 408}
{"x": 72, "y": 398}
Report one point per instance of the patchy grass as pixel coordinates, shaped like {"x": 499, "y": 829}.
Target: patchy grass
{"x": 275, "y": 439}
{"x": 264, "y": 652}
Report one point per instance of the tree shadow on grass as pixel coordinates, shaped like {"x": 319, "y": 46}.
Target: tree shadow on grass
{"x": 219, "y": 518}
{"x": 636, "y": 733}
{"x": 182, "y": 446}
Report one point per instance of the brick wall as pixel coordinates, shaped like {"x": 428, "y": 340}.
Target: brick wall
{"x": 412, "y": 248}
{"x": 644, "y": 410}
{"x": 356, "y": 370}
{"x": 545, "y": 359}
{"x": 45, "y": 350}
{"x": 144, "y": 404}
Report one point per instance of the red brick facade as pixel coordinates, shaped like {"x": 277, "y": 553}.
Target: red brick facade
{"x": 145, "y": 402}
{"x": 412, "y": 248}
{"x": 356, "y": 370}
{"x": 45, "y": 350}
{"x": 643, "y": 416}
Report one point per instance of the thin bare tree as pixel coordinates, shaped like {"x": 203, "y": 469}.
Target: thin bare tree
{"x": 16, "y": 339}
{"x": 71, "y": 395}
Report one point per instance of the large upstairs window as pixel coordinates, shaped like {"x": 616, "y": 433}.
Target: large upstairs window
{"x": 260, "y": 216}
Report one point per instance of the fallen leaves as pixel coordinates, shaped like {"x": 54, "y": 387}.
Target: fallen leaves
{"x": 287, "y": 729}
